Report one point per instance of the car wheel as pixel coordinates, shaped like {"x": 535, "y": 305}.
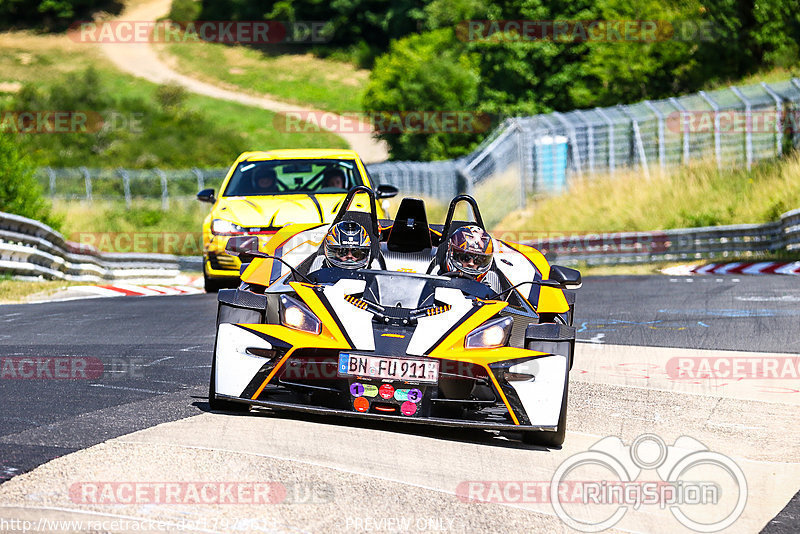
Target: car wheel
{"x": 211, "y": 285}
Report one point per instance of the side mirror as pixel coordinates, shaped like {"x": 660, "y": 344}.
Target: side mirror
{"x": 206, "y": 195}
{"x": 243, "y": 246}
{"x": 568, "y": 278}
{"x": 386, "y": 191}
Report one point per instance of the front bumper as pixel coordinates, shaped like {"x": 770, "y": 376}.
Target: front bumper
{"x": 437, "y": 421}
{"x": 264, "y": 370}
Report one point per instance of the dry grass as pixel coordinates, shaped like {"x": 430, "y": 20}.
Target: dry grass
{"x": 16, "y": 291}
{"x": 691, "y": 196}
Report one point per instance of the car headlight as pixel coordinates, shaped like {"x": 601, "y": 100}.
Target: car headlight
{"x": 489, "y": 335}
{"x": 295, "y": 314}
{"x": 223, "y": 227}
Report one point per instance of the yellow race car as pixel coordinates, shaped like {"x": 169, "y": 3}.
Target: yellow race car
{"x": 265, "y": 191}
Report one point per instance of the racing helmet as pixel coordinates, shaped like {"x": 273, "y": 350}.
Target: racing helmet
{"x": 347, "y": 245}
{"x": 469, "y": 251}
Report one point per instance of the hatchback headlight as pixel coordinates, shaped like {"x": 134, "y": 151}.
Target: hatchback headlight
{"x": 223, "y": 227}
{"x": 490, "y": 335}
{"x": 295, "y": 314}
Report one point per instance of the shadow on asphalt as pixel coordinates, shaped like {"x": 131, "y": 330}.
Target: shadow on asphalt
{"x": 502, "y": 439}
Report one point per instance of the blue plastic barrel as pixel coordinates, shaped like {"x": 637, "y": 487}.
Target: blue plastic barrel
{"x": 551, "y": 163}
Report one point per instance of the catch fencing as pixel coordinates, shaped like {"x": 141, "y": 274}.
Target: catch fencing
{"x": 31, "y": 248}
{"x": 735, "y": 127}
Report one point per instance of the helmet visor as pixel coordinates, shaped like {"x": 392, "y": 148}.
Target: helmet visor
{"x": 349, "y": 254}
{"x": 471, "y": 262}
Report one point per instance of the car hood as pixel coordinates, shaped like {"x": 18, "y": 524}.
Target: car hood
{"x": 280, "y": 210}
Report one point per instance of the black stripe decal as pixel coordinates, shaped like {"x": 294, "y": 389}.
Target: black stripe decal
{"x": 452, "y": 328}
{"x": 325, "y": 302}
{"x": 319, "y": 208}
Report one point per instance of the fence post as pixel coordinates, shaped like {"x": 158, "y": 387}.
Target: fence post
{"x": 748, "y": 134}
{"x": 126, "y": 186}
{"x": 164, "y": 189}
{"x": 590, "y": 140}
{"x": 715, "y": 107}
{"x": 662, "y": 161}
{"x": 684, "y": 129}
{"x": 87, "y": 180}
{"x": 610, "y": 124}
{"x": 638, "y": 146}
{"x": 52, "y": 176}
{"x": 200, "y": 179}
{"x": 778, "y": 118}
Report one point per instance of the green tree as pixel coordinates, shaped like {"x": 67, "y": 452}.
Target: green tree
{"x": 425, "y": 72}
{"x": 20, "y": 193}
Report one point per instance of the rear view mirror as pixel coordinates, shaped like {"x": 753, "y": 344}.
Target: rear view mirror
{"x": 386, "y": 191}
{"x": 243, "y": 246}
{"x": 568, "y": 278}
{"x": 206, "y": 195}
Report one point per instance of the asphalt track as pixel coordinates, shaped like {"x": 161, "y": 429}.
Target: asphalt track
{"x": 155, "y": 354}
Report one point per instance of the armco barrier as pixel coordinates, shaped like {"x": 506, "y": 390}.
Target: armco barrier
{"x": 674, "y": 245}
{"x": 30, "y": 248}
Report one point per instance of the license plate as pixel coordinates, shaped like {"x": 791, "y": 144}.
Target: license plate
{"x": 391, "y": 368}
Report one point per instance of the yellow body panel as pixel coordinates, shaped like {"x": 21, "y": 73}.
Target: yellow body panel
{"x": 551, "y": 299}
{"x": 277, "y": 210}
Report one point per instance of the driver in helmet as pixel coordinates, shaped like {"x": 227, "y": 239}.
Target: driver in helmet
{"x": 469, "y": 253}
{"x": 347, "y": 246}
{"x": 264, "y": 180}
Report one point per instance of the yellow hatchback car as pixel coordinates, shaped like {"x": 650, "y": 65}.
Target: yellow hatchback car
{"x": 264, "y": 191}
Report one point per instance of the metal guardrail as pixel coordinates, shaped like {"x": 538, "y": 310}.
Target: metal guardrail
{"x": 31, "y": 248}
{"x": 709, "y": 242}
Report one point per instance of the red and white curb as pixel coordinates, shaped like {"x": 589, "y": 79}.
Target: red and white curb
{"x": 764, "y": 267}
{"x": 181, "y": 285}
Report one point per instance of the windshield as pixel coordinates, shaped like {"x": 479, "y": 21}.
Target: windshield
{"x": 276, "y": 177}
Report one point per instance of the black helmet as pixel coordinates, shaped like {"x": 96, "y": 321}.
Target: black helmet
{"x": 347, "y": 245}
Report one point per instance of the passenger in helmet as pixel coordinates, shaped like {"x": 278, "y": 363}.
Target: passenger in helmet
{"x": 469, "y": 252}
{"x": 347, "y": 245}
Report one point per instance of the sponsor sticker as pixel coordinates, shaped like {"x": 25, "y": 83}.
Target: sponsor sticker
{"x": 386, "y": 391}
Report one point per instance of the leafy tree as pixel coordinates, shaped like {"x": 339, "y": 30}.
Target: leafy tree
{"x": 426, "y": 72}
{"x": 20, "y": 193}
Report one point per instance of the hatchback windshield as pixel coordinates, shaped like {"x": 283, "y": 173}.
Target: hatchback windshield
{"x": 276, "y": 177}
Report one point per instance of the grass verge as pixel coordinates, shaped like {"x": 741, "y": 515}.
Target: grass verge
{"x": 17, "y": 291}
{"x": 301, "y": 78}
{"x": 46, "y": 61}
{"x": 693, "y": 196}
